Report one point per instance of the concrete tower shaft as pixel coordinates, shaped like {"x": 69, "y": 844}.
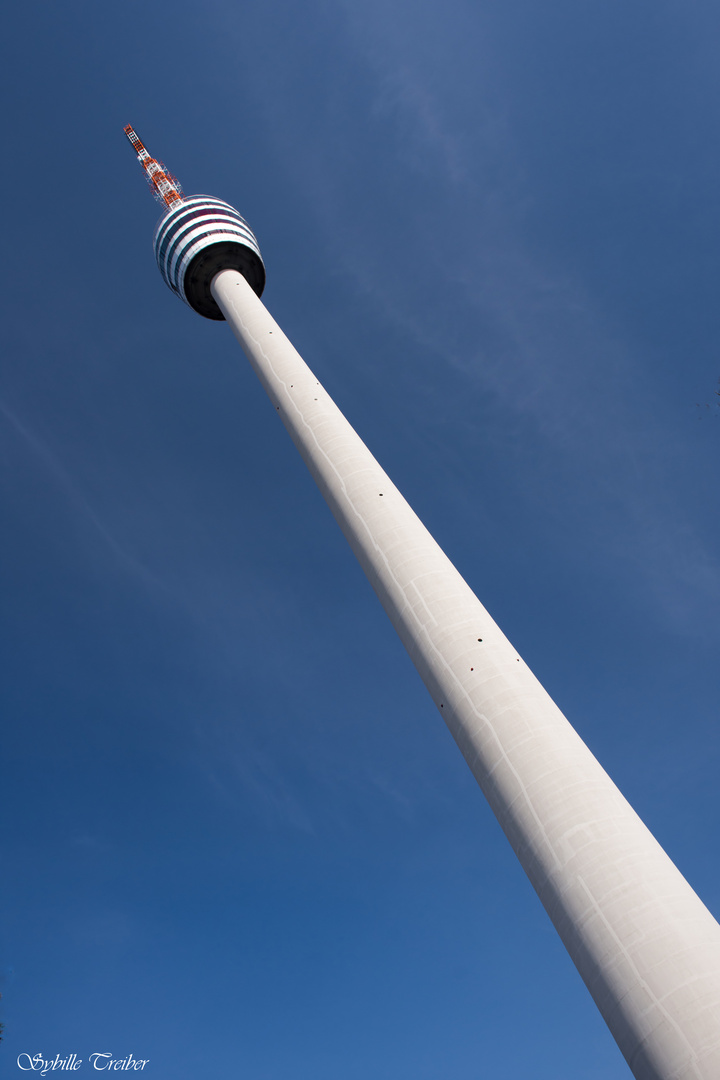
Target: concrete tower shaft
{"x": 645, "y": 945}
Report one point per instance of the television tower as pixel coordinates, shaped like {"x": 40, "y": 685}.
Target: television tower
{"x": 646, "y": 947}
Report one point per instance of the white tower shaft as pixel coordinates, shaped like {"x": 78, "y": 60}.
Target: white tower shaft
{"x": 645, "y": 945}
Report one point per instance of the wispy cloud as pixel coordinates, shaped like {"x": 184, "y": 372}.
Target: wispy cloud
{"x": 426, "y": 139}
{"x": 51, "y": 463}
{"x": 532, "y": 335}
{"x": 109, "y": 928}
{"x": 256, "y": 779}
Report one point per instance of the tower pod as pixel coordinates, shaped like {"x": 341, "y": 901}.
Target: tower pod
{"x": 197, "y": 239}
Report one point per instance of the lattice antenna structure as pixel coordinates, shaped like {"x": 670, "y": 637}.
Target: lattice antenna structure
{"x": 165, "y": 188}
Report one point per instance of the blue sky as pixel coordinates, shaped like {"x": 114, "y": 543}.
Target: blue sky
{"x": 238, "y": 840}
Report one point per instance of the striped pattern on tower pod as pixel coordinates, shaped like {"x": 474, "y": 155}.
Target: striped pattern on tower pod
{"x": 197, "y": 239}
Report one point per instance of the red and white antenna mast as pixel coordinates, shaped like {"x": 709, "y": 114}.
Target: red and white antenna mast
{"x": 165, "y": 187}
